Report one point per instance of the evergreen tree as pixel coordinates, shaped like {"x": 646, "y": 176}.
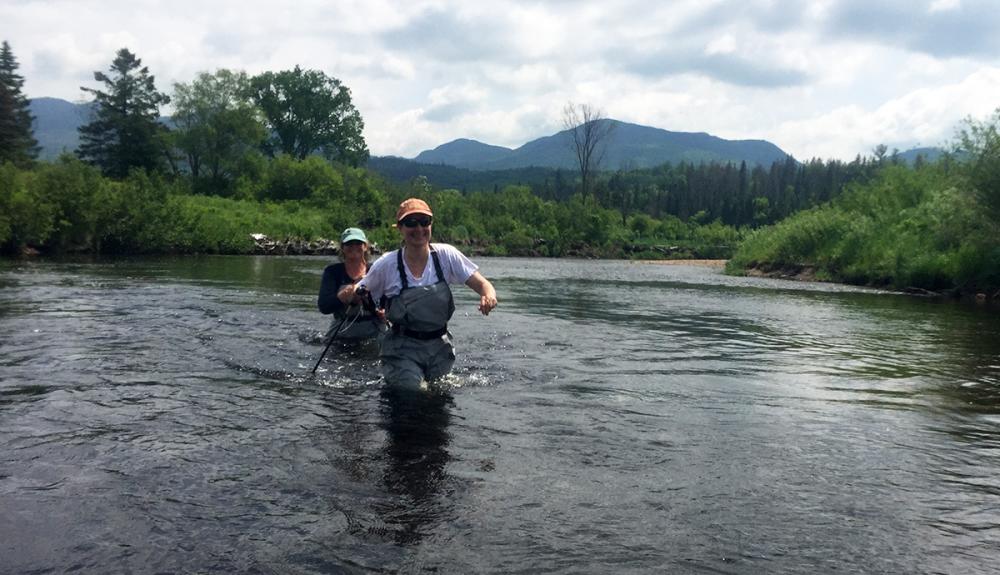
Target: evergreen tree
{"x": 17, "y": 141}
{"x": 124, "y": 132}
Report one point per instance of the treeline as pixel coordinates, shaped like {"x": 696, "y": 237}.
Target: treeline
{"x": 275, "y": 153}
{"x": 69, "y": 206}
{"x": 516, "y": 221}
{"x": 735, "y": 194}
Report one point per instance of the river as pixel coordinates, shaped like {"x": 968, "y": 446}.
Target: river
{"x": 158, "y": 416}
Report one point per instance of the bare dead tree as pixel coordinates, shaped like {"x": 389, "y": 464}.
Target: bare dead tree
{"x": 589, "y": 131}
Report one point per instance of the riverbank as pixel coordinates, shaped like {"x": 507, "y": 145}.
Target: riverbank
{"x": 702, "y": 263}
{"x": 806, "y": 273}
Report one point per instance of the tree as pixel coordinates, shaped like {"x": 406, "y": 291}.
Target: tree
{"x": 589, "y": 133}
{"x": 17, "y": 140}
{"x": 124, "y": 132}
{"x": 308, "y": 112}
{"x": 979, "y": 141}
{"x": 879, "y": 153}
{"x": 216, "y": 127}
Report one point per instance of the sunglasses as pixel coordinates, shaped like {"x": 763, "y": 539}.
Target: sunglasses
{"x": 413, "y": 222}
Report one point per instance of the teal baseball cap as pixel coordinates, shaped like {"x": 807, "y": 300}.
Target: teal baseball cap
{"x": 353, "y": 235}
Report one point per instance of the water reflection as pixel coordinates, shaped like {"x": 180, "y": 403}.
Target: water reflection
{"x": 416, "y": 425}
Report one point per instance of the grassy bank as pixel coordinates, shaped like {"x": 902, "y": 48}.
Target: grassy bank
{"x": 909, "y": 228}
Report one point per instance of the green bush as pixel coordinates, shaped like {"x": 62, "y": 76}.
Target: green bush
{"x": 25, "y": 218}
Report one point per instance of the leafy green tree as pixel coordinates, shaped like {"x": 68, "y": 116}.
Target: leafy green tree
{"x": 761, "y": 211}
{"x": 17, "y": 141}
{"x": 72, "y": 188}
{"x": 125, "y": 131}
{"x": 980, "y": 140}
{"x": 312, "y": 178}
{"x": 26, "y": 218}
{"x": 309, "y": 112}
{"x": 216, "y": 128}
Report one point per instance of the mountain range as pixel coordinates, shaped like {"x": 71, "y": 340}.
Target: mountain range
{"x": 56, "y": 123}
{"x": 628, "y": 146}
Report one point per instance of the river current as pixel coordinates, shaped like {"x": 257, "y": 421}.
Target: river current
{"x": 159, "y": 416}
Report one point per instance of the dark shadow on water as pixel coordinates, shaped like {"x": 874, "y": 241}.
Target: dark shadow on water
{"x": 24, "y": 392}
{"x": 416, "y": 449}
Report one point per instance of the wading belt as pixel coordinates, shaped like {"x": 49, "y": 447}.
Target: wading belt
{"x": 424, "y": 335}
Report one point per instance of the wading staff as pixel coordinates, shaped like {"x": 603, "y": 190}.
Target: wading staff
{"x": 336, "y": 332}
{"x": 367, "y": 304}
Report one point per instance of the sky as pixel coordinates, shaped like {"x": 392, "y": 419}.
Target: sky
{"x": 826, "y": 79}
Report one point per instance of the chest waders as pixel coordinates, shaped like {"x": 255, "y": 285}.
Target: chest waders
{"x": 358, "y": 324}
{"x": 418, "y": 347}
{"x": 355, "y": 321}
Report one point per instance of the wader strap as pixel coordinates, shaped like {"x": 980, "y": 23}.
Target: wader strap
{"x": 402, "y": 270}
{"x": 437, "y": 265}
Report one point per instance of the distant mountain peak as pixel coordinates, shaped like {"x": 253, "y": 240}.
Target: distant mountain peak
{"x": 463, "y": 153}
{"x": 629, "y": 145}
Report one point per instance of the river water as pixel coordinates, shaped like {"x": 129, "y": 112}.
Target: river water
{"x": 158, "y": 416}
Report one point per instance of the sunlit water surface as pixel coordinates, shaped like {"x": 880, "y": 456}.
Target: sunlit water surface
{"x": 159, "y": 416}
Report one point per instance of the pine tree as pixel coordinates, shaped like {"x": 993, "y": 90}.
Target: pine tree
{"x": 125, "y": 131}
{"x": 17, "y": 140}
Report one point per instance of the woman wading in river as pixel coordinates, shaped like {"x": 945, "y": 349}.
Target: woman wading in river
{"x": 415, "y": 280}
{"x": 336, "y": 291}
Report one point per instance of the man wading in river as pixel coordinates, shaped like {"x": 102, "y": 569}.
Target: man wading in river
{"x": 415, "y": 280}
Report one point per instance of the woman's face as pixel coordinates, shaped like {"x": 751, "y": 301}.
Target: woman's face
{"x": 416, "y": 229}
{"x": 353, "y": 250}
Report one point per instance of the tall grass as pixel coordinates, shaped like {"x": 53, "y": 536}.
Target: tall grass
{"x": 908, "y": 228}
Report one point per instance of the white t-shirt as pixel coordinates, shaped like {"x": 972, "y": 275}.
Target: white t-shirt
{"x": 383, "y": 277}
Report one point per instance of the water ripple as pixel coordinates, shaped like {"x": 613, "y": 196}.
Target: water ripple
{"x": 609, "y": 417}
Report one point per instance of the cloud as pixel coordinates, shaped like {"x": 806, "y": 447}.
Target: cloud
{"x": 766, "y": 16}
{"x": 444, "y": 35}
{"x": 924, "y": 117}
{"x": 846, "y": 73}
{"x": 451, "y": 102}
{"x": 727, "y": 67}
{"x": 941, "y": 28}
{"x": 744, "y": 44}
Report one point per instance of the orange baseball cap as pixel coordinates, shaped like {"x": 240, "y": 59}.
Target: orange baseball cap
{"x": 413, "y": 206}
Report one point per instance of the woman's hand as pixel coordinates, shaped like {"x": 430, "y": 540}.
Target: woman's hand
{"x": 487, "y": 303}
{"x": 347, "y": 294}
{"x": 487, "y": 295}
